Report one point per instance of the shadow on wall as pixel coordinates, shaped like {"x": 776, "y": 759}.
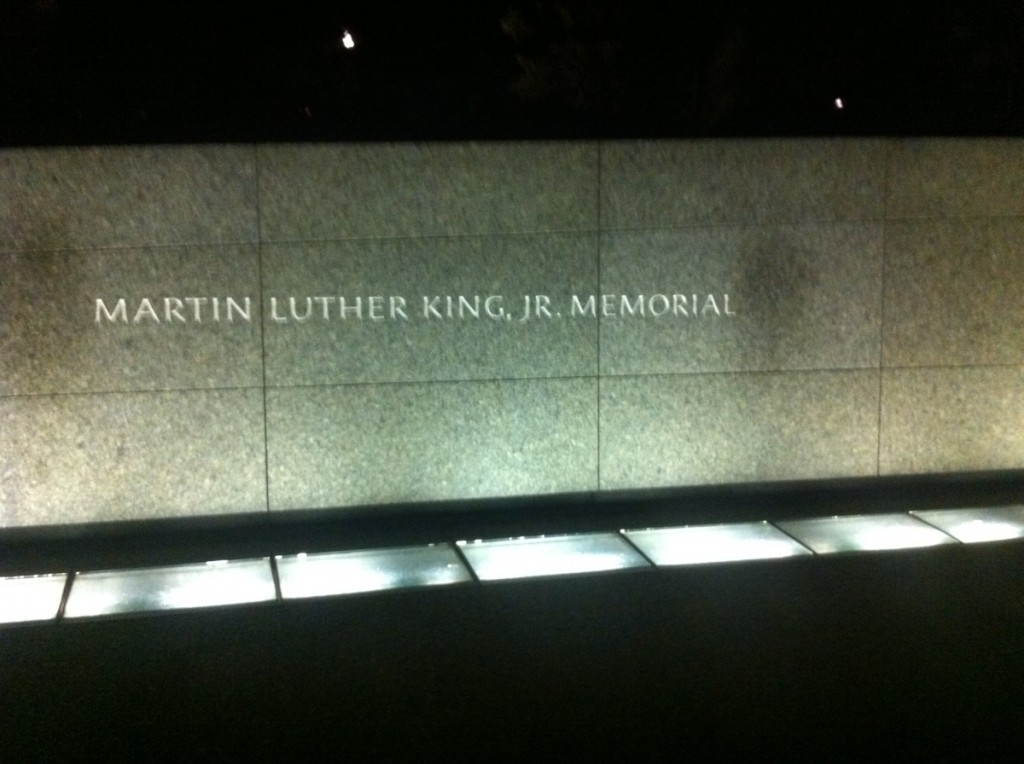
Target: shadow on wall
{"x": 34, "y": 345}
{"x": 780, "y": 283}
{"x": 775, "y": 275}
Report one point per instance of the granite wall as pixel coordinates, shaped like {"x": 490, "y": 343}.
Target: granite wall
{"x": 622, "y": 315}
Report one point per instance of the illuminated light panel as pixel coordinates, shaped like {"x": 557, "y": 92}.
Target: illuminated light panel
{"x": 972, "y": 526}
{"x": 170, "y": 588}
{"x": 549, "y": 556}
{"x": 864, "y": 533}
{"x": 319, "y": 575}
{"x": 715, "y": 543}
{"x": 30, "y": 598}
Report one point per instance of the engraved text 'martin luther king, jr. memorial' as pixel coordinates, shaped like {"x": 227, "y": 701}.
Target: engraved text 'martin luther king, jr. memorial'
{"x": 184, "y": 310}
{"x": 200, "y": 330}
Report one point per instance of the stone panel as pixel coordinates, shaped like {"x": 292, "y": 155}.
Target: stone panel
{"x": 130, "y": 456}
{"x": 378, "y": 444}
{"x": 723, "y": 428}
{"x": 352, "y": 191}
{"x": 953, "y": 293}
{"x": 956, "y": 177}
{"x": 107, "y": 196}
{"x": 952, "y": 420}
{"x": 673, "y": 183}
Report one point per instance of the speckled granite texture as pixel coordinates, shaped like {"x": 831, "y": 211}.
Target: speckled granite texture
{"x": 954, "y": 292}
{"x": 690, "y": 429}
{"x": 950, "y": 419}
{"x": 52, "y": 342}
{"x": 339, "y": 192}
{"x": 672, "y": 183}
{"x": 368, "y": 444}
{"x": 130, "y": 456}
{"x": 126, "y": 196}
{"x": 866, "y": 320}
{"x": 955, "y": 178}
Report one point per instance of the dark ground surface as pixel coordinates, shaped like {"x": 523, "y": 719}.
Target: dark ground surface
{"x": 916, "y": 653}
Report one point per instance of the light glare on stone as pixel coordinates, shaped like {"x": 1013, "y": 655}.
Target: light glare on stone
{"x": 319, "y": 575}
{"x": 864, "y": 533}
{"x": 972, "y": 526}
{"x": 30, "y": 598}
{"x": 554, "y": 556}
{"x": 715, "y": 543}
{"x": 171, "y": 588}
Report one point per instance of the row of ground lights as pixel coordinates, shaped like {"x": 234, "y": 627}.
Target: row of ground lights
{"x": 231, "y": 582}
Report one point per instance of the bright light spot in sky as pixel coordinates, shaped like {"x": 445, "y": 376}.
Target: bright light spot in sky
{"x": 347, "y": 41}
{"x": 839, "y": 103}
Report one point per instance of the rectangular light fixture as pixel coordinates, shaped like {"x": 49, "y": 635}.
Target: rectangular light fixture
{"x": 319, "y": 575}
{"x": 714, "y": 543}
{"x": 972, "y": 526}
{"x": 208, "y": 584}
{"x": 864, "y": 533}
{"x": 549, "y": 556}
{"x": 30, "y": 598}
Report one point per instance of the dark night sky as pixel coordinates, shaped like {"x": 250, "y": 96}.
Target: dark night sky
{"x": 129, "y": 71}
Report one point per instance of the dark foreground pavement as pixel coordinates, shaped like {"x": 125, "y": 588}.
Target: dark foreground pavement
{"x": 919, "y": 653}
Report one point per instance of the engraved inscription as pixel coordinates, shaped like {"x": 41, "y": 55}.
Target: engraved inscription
{"x": 431, "y": 307}
{"x": 174, "y": 310}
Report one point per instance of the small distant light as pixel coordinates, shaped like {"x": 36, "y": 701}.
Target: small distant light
{"x": 839, "y": 103}
{"x": 347, "y": 41}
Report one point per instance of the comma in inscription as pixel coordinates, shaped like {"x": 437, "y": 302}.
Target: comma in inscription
{"x": 380, "y": 308}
